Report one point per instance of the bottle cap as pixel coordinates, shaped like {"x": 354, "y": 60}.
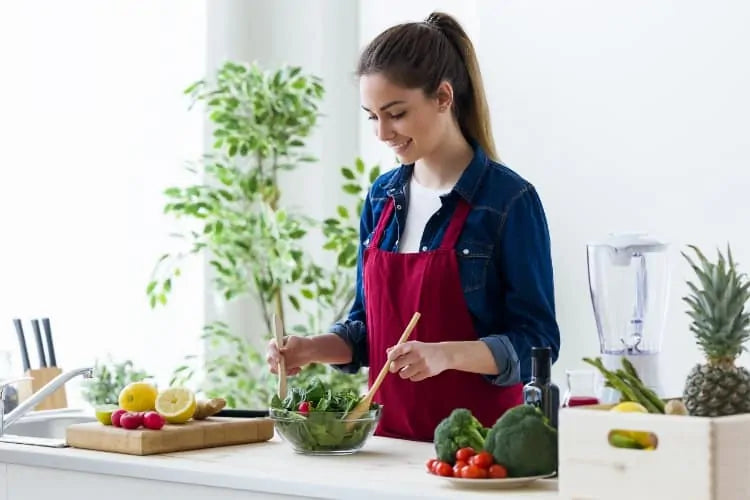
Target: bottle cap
{"x": 541, "y": 363}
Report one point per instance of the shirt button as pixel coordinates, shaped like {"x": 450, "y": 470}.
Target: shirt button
{"x": 398, "y": 207}
{"x": 466, "y": 251}
{"x": 424, "y": 249}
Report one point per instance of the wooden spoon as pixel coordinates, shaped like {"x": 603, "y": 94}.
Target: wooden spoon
{"x": 364, "y": 405}
{"x": 278, "y": 331}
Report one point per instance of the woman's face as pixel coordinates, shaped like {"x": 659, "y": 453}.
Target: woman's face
{"x": 410, "y": 123}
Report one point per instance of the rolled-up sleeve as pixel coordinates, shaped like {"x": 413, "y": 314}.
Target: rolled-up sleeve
{"x": 523, "y": 255}
{"x": 353, "y": 330}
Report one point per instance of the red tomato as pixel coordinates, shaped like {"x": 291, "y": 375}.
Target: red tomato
{"x": 497, "y": 471}
{"x": 464, "y": 454}
{"x": 473, "y": 472}
{"x": 304, "y": 407}
{"x": 483, "y": 460}
{"x": 443, "y": 469}
{"x": 460, "y": 464}
{"x": 431, "y": 464}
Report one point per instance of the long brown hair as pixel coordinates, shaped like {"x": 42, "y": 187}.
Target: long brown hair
{"x": 423, "y": 55}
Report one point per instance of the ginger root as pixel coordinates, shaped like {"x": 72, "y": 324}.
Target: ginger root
{"x": 206, "y": 408}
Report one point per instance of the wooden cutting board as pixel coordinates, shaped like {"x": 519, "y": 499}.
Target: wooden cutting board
{"x": 192, "y": 435}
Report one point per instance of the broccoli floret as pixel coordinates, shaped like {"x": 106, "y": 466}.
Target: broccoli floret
{"x": 523, "y": 441}
{"x": 459, "y": 430}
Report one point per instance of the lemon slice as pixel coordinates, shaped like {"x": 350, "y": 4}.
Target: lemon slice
{"x": 176, "y": 404}
{"x": 104, "y": 413}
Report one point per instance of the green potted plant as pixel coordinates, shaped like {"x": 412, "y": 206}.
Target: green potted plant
{"x": 256, "y": 246}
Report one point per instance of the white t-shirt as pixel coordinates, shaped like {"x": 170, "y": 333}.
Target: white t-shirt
{"x": 423, "y": 203}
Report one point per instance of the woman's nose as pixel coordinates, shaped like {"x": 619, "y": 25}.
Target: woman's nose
{"x": 383, "y": 130}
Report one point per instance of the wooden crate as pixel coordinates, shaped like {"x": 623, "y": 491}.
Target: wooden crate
{"x": 697, "y": 458}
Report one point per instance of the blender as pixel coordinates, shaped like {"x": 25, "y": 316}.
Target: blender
{"x": 629, "y": 285}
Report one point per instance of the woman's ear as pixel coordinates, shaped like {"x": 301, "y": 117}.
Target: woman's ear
{"x": 444, "y": 96}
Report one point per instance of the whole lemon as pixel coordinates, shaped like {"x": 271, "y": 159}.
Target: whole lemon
{"x": 630, "y": 407}
{"x": 138, "y": 396}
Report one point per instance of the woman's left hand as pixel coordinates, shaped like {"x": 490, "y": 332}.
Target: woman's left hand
{"x": 417, "y": 360}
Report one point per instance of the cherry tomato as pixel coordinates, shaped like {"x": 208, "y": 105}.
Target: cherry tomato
{"x": 464, "y": 454}
{"x": 304, "y": 407}
{"x": 444, "y": 469}
{"x": 460, "y": 464}
{"x": 497, "y": 471}
{"x": 483, "y": 460}
{"x": 473, "y": 472}
{"x": 431, "y": 464}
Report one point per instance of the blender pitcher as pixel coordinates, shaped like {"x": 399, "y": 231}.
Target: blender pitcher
{"x": 629, "y": 286}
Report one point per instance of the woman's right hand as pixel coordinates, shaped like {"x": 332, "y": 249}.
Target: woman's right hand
{"x": 296, "y": 352}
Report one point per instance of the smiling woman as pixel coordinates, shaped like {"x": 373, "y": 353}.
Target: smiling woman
{"x": 451, "y": 233}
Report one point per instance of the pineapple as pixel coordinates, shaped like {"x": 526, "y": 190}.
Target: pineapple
{"x": 721, "y": 326}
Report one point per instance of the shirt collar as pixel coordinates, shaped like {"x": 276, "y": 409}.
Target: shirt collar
{"x": 467, "y": 185}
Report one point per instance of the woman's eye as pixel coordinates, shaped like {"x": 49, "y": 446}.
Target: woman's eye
{"x": 398, "y": 116}
{"x": 372, "y": 117}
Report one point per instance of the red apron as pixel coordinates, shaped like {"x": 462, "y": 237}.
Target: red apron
{"x": 396, "y": 285}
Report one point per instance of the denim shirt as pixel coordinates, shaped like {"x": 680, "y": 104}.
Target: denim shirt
{"x": 503, "y": 256}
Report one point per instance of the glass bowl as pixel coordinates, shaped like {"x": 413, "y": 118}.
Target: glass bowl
{"x": 323, "y": 432}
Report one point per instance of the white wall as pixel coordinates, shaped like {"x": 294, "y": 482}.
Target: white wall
{"x": 624, "y": 116}
{"x": 628, "y": 116}
{"x": 94, "y": 127}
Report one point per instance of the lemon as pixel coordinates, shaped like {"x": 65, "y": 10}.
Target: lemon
{"x": 104, "y": 413}
{"x": 176, "y": 404}
{"x": 138, "y": 396}
{"x": 642, "y": 438}
{"x": 630, "y": 407}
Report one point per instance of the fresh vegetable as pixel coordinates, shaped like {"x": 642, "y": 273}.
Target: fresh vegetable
{"x": 644, "y": 440}
{"x": 311, "y": 418}
{"x": 675, "y": 407}
{"x": 483, "y": 460}
{"x": 628, "y": 383}
{"x": 468, "y": 465}
{"x": 473, "y": 472}
{"x": 523, "y": 441}
{"x": 464, "y": 454}
{"x": 206, "y": 408}
{"x": 459, "y": 430}
{"x": 497, "y": 471}
{"x": 443, "y": 469}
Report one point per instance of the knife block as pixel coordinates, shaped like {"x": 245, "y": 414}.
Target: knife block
{"x": 40, "y": 378}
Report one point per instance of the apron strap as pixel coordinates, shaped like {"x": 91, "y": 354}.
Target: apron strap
{"x": 377, "y": 236}
{"x": 450, "y": 238}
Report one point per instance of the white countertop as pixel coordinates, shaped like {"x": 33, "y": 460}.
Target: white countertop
{"x": 384, "y": 467}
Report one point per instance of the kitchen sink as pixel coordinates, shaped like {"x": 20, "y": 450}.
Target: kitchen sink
{"x": 44, "y": 428}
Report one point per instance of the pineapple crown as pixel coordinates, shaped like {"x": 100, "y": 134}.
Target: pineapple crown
{"x": 720, "y": 322}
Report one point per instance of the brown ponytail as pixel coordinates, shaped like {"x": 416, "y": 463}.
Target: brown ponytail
{"x": 422, "y": 55}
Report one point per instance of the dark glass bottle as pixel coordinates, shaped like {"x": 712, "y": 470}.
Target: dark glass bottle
{"x": 540, "y": 391}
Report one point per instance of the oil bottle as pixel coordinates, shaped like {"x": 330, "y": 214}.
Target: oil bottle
{"x": 541, "y": 391}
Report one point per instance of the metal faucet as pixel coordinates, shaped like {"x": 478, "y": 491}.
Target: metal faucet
{"x": 25, "y": 406}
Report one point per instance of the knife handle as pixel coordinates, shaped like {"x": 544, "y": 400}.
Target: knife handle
{"x": 22, "y": 343}
{"x": 50, "y": 345}
{"x": 39, "y": 344}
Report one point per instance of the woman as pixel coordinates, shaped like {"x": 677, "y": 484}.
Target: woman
{"x": 451, "y": 233}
